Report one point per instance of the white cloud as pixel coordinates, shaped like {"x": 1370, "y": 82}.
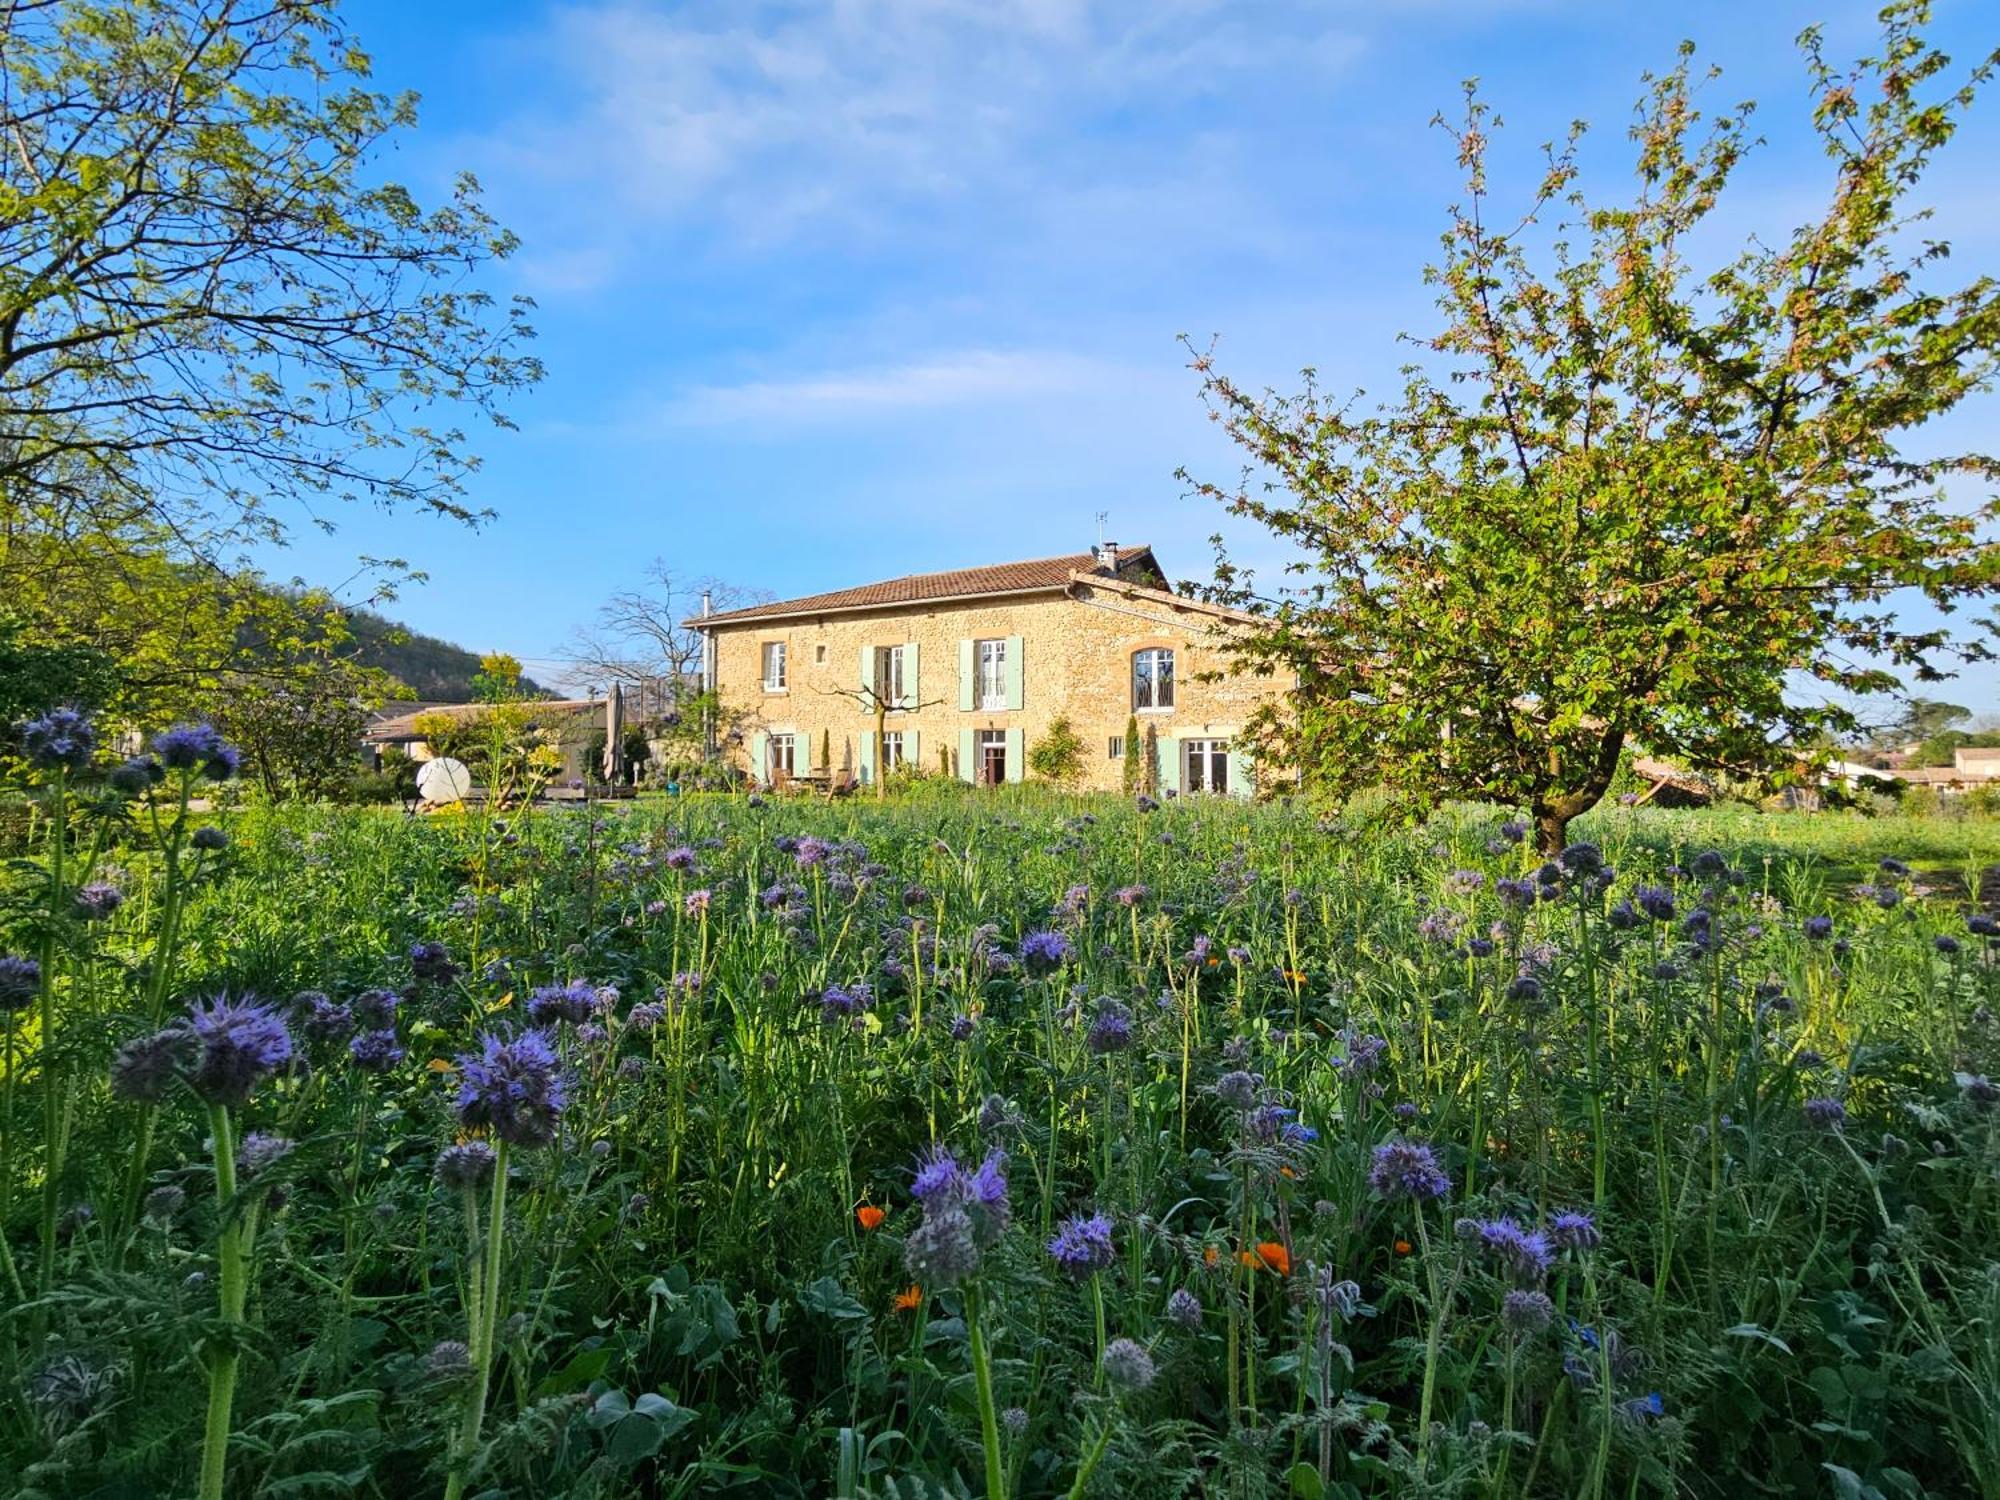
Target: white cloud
{"x": 982, "y": 377}
{"x": 754, "y": 123}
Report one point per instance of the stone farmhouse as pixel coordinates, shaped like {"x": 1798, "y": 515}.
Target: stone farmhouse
{"x": 975, "y": 664}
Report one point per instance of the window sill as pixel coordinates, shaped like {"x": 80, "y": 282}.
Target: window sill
{"x": 1157, "y": 712}
{"x": 775, "y": 692}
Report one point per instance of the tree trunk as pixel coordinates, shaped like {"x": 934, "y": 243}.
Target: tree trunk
{"x": 1553, "y": 811}
{"x": 881, "y": 743}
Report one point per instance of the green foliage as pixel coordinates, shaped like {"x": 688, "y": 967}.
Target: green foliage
{"x": 1149, "y": 760}
{"x": 1942, "y": 749}
{"x": 202, "y": 247}
{"x": 691, "y": 1303}
{"x": 36, "y": 676}
{"x": 1129, "y": 772}
{"x": 1631, "y": 494}
{"x": 1057, "y": 757}
{"x": 431, "y": 670}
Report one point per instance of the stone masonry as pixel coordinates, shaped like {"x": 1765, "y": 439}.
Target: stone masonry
{"x": 1074, "y": 643}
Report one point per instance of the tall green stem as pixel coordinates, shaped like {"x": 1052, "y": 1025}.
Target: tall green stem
{"x": 484, "y": 1323}
{"x": 52, "y": 1081}
{"x": 982, "y": 1379}
{"x": 223, "y": 1362}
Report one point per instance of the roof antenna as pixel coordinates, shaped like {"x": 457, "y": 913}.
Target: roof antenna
{"x": 1102, "y": 517}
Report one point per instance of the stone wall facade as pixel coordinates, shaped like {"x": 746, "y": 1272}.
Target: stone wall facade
{"x": 1075, "y": 652}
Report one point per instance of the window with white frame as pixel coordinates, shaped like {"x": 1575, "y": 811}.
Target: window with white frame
{"x": 781, "y": 753}
{"x": 1117, "y": 749}
{"x": 888, "y": 676}
{"x": 774, "y": 665}
{"x": 1153, "y": 678}
{"x": 993, "y": 674}
{"x": 892, "y": 749}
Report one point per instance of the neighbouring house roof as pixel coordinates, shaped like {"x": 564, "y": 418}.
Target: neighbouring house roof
{"x": 1044, "y": 575}
{"x": 1926, "y": 775}
{"x": 400, "y": 727}
{"x": 1976, "y": 756}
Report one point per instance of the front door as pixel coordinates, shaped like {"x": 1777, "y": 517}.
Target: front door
{"x": 992, "y": 757}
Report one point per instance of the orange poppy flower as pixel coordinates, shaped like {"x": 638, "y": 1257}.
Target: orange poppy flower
{"x": 1402, "y": 1247}
{"x": 1215, "y": 963}
{"x": 869, "y": 1216}
{"x": 1211, "y": 1255}
{"x": 910, "y": 1298}
{"x": 1296, "y": 976}
{"x": 1271, "y": 1255}
{"x": 439, "y": 1065}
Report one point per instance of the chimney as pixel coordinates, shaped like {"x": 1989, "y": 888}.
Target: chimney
{"x": 1107, "y": 557}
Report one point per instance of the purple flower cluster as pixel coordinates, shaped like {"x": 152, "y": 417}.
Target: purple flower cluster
{"x": 1404, "y": 1168}
{"x": 20, "y": 982}
{"x": 1042, "y": 951}
{"x": 242, "y": 1042}
{"x": 514, "y": 1086}
{"x": 197, "y": 747}
{"x": 1110, "y": 1030}
{"x": 965, "y": 1213}
{"x": 62, "y": 739}
{"x": 1082, "y": 1245}
{"x": 553, "y": 1004}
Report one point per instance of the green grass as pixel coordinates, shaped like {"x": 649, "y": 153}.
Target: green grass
{"x": 686, "y": 1301}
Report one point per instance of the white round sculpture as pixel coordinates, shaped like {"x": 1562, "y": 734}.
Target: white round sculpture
{"x": 443, "y": 781}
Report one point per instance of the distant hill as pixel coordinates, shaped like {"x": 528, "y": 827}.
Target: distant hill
{"x": 435, "y": 671}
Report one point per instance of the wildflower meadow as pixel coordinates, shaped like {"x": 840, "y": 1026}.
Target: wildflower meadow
{"x": 985, "y": 1144}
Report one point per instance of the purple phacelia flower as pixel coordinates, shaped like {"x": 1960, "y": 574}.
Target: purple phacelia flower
{"x": 514, "y": 1086}
{"x": 242, "y": 1042}
{"x": 1407, "y": 1169}
{"x": 1082, "y": 1245}
{"x": 63, "y": 739}
{"x": 1825, "y": 1113}
{"x": 552, "y": 1004}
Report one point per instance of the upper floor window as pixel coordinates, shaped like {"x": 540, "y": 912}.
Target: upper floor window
{"x": 887, "y": 678}
{"x": 774, "y": 664}
{"x": 1153, "y": 678}
{"x": 992, "y": 674}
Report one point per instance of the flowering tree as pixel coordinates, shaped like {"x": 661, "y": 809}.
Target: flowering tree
{"x": 1625, "y": 499}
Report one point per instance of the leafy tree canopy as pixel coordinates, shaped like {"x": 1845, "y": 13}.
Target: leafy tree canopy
{"x": 209, "y": 303}
{"x": 1626, "y": 498}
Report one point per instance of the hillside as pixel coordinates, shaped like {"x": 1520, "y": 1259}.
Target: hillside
{"x": 434, "y": 670}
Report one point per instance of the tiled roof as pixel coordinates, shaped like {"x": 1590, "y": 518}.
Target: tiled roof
{"x": 1039, "y": 576}
{"x": 402, "y": 726}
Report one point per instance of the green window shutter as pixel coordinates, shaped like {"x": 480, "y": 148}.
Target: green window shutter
{"x": 968, "y": 769}
{"x": 1170, "y": 764}
{"x": 1013, "y": 676}
{"x": 866, "y": 679}
{"x": 760, "y": 756}
{"x": 911, "y": 755}
{"x": 912, "y": 696}
{"x": 968, "y": 674}
{"x": 1017, "y": 758}
{"x": 867, "y": 756}
{"x": 1240, "y": 784}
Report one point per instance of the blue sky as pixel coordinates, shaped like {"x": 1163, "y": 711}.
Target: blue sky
{"x": 834, "y": 292}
